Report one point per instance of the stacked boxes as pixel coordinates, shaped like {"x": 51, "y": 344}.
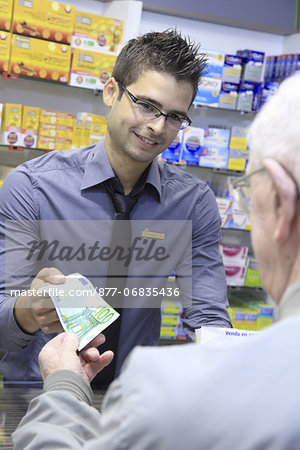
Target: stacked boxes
{"x": 44, "y": 19}
{"x": 88, "y": 129}
{"x": 235, "y": 263}
{"x": 6, "y": 7}
{"x": 30, "y": 126}
{"x": 238, "y": 152}
{"x": 192, "y": 145}
{"x": 209, "y": 89}
{"x": 214, "y": 152}
{"x": 90, "y": 69}
{"x": 5, "y": 46}
{"x": 247, "y": 312}
{"x": 171, "y": 324}
{"x": 55, "y": 130}
{"x": 173, "y": 153}
{"x": 97, "y": 33}
{"x": 253, "y": 65}
{"x": 40, "y": 59}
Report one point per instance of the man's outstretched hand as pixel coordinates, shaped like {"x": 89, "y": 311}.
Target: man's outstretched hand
{"x": 61, "y": 354}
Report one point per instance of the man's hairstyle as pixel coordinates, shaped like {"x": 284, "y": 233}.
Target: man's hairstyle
{"x": 275, "y": 132}
{"x": 166, "y": 52}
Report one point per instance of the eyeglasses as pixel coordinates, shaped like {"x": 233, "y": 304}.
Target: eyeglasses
{"x": 242, "y": 191}
{"x": 150, "y": 112}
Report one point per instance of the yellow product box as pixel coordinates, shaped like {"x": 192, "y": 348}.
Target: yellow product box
{"x": 238, "y": 159}
{"x": 40, "y": 59}
{"x": 1, "y": 113}
{"x": 90, "y": 70}
{"x": 238, "y": 138}
{"x": 77, "y": 133}
{"x": 54, "y": 130}
{"x": 30, "y": 126}
{"x": 5, "y": 47}
{"x": 6, "y": 14}
{"x": 44, "y": 19}
{"x": 53, "y": 143}
{"x": 97, "y": 33}
{"x": 56, "y": 117}
{"x": 11, "y": 124}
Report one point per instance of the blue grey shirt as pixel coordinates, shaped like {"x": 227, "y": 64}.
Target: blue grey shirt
{"x": 60, "y": 197}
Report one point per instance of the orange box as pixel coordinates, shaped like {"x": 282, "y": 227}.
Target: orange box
{"x": 5, "y": 47}
{"x": 89, "y": 69}
{"x": 97, "y": 33}
{"x": 44, "y": 19}
{"x": 55, "y": 130}
{"x": 30, "y": 126}
{"x": 5, "y": 14}
{"x": 53, "y": 143}
{"x": 40, "y": 59}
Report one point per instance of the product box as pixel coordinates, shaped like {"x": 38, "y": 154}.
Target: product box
{"x": 215, "y": 157}
{"x": 215, "y": 64}
{"x": 238, "y": 138}
{"x": 44, "y": 19}
{"x": 173, "y": 152}
{"x": 56, "y": 130}
{"x": 228, "y": 95}
{"x": 268, "y": 90}
{"x": 56, "y": 117}
{"x": 249, "y": 96}
{"x": 90, "y": 70}
{"x": 5, "y": 47}
{"x": 238, "y": 159}
{"x": 11, "y": 124}
{"x": 238, "y": 218}
{"x": 30, "y": 126}
{"x": 232, "y": 69}
{"x": 1, "y": 114}
{"x": 217, "y": 137}
{"x": 235, "y": 275}
{"x": 253, "y": 64}
{"x": 6, "y": 7}
{"x": 40, "y": 59}
{"x": 208, "y": 92}
{"x": 224, "y": 206}
{"x": 243, "y": 317}
{"x": 234, "y": 254}
{"x": 192, "y": 145}
{"x": 54, "y": 143}
{"x": 97, "y": 33}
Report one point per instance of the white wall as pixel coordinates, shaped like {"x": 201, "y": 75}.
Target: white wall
{"x": 213, "y": 36}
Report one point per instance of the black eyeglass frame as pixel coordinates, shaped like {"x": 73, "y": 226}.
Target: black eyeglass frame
{"x": 185, "y": 121}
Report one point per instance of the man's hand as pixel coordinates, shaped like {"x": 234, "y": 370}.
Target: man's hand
{"x": 61, "y": 354}
{"x": 38, "y": 312}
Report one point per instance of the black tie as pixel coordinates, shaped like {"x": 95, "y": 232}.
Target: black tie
{"x": 117, "y": 271}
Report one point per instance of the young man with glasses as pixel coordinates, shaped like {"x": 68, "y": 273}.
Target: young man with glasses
{"x": 152, "y": 87}
{"x": 244, "y": 397}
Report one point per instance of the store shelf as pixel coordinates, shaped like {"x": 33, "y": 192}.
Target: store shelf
{"x": 15, "y": 155}
{"x": 218, "y": 108}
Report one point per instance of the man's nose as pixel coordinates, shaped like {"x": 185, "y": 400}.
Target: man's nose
{"x": 158, "y": 124}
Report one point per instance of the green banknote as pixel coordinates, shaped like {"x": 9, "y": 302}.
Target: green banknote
{"x": 80, "y": 308}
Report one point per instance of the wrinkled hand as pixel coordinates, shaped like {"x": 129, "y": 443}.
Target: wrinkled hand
{"x": 61, "y": 354}
{"x": 34, "y": 312}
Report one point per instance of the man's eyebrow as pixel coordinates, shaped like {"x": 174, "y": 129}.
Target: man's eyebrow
{"x": 159, "y": 105}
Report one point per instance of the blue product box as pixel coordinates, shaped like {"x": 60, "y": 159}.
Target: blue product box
{"x": 232, "y": 69}
{"x": 228, "y": 95}
{"x": 215, "y": 64}
{"x": 192, "y": 145}
{"x": 173, "y": 153}
{"x": 253, "y": 64}
{"x": 216, "y": 137}
{"x": 208, "y": 92}
{"x": 249, "y": 96}
{"x": 215, "y": 157}
{"x": 269, "y": 88}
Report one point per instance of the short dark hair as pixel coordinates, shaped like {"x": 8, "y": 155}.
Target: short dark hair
{"x": 165, "y": 51}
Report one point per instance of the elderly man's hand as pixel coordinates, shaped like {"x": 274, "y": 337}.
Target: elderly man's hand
{"x": 61, "y": 353}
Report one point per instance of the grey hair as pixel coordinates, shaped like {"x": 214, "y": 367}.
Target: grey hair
{"x": 275, "y": 132}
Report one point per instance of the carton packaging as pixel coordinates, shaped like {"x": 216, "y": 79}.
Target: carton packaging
{"x": 209, "y": 89}
{"x": 6, "y": 14}
{"x": 228, "y": 95}
{"x": 238, "y": 159}
{"x": 173, "y": 153}
{"x": 234, "y": 254}
{"x": 5, "y": 48}
{"x": 238, "y": 137}
{"x": 217, "y": 137}
{"x": 249, "y": 96}
{"x": 90, "y": 70}
{"x": 44, "y": 19}
{"x": 192, "y": 145}
{"x": 30, "y": 126}
{"x": 11, "y": 124}
{"x": 232, "y": 69}
{"x": 97, "y": 33}
{"x": 253, "y": 64}
{"x": 214, "y": 157}
{"x": 40, "y": 59}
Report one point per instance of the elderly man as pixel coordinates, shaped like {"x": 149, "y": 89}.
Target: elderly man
{"x": 194, "y": 397}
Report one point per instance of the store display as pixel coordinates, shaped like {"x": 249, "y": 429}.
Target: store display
{"x": 30, "y": 126}
{"x": 97, "y": 33}
{"x": 44, "y": 19}
{"x": 11, "y": 124}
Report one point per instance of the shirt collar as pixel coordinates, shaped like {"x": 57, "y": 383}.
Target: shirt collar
{"x": 98, "y": 169}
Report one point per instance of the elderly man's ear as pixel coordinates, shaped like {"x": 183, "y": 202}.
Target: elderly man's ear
{"x": 285, "y": 199}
